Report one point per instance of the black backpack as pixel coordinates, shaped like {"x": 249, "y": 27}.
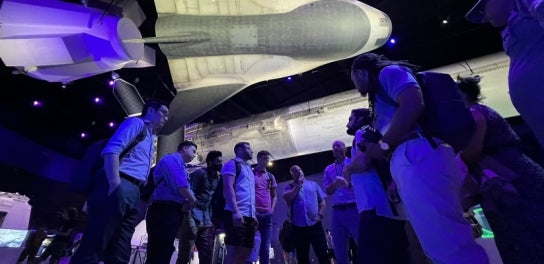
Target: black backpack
{"x": 218, "y": 199}
{"x": 147, "y": 190}
{"x": 445, "y": 116}
{"x": 84, "y": 179}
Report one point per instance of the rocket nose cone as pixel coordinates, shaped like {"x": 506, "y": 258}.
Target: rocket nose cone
{"x": 380, "y": 27}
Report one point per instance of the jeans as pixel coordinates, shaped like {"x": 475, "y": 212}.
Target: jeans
{"x": 265, "y": 228}
{"x": 345, "y": 224}
{"x": 111, "y": 224}
{"x": 192, "y": 235}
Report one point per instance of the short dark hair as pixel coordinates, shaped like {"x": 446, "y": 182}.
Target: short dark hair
{"x": 213, "y": 154}
{"x": 186, "y": 143}
{"x": 263, "y": 153}
{"x": 153, "y": 103}
{"x": 470, "y": 86}
{"x": 360, "y": 112}
{"x": 240, "y": 145}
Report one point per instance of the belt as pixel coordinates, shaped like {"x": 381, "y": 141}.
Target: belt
{"x": 410, "y": 136}
{"x": 344, "y": 206}
{"x": 132, "y": 180}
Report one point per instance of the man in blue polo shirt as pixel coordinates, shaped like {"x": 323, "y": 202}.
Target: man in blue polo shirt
{"x": 171, "y": 199}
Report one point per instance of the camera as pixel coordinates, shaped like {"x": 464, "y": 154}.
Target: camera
{"x": 363, "y": 119}
{"x": 370, "y": 135}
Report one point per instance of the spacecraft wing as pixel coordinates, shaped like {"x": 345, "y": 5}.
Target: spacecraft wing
{"x": 189, "y": 104}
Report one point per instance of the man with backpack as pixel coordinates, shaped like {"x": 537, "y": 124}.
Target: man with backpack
{"x": 196, "y": 226}
{"x": 265, "y": 202}
{"x": 239, "y": 192}
{"x": 113, "y": 202}
{"x": 422, "y": 165}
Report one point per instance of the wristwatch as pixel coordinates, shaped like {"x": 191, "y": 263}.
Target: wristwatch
{"x": 383, "y": 145}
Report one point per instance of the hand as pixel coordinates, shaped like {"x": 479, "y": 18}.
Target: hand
{"x": 392, "y": 193}
{"x": 340, "y": 182}
{"x": 373, "y": 150}
{"x": 187, "y": 206}
{"x": 237, "y": 219}
{"x": 319, "y": 217}
{"x": 298, "y": 185}
{"x": 113, "y": 184}
{"x": 347, "y": 174}
{"x": 256, "y": 223}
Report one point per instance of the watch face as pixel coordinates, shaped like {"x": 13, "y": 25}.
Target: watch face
{"x": 384, "y": 146}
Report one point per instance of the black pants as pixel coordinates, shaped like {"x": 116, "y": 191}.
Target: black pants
{"x": 381, "y": 240}
{"x": 315, "y": 236}
{"x": 162, "y": 223}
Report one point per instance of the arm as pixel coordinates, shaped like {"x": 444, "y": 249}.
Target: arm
{"x": 329, "y": 184}
{"x": 127, "y": 132}
{"x": 175, "y": 175}
{"x": 190, "y": 199}
{"x": 291, "y": 194}
{"x": 230, "y": 195}
{"x": 273, "y": 192}
{"x": 332, "y": 182}
{"x": 359, "y": 163}
{"x": 322, "y": 206}
{"x": 274, "y": 196}
{"x": 411, "y": 106}
{"x": 111, "y": 168}
{"x": 473, "y": 152}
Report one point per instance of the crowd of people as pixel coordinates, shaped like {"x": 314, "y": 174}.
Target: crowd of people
{"x": 403, "y": 179}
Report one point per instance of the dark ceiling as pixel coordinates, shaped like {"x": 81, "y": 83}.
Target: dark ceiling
{"x": 67, "y": 111}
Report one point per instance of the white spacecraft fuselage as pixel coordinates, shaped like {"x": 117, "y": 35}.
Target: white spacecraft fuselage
{"x": 225, "y": 46}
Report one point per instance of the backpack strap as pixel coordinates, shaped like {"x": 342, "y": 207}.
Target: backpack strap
{"x": 238, "y": 169}
{"x": 139, "y": 138}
